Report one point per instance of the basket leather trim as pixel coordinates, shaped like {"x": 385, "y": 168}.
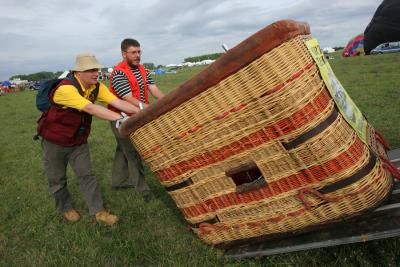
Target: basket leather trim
{"x": 313, "y": 132}
{"x": 351, "y": 179}
{"x": 179, "y": 185}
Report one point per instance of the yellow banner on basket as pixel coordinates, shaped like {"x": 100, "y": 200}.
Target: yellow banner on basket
{"x": 346, "y": 106}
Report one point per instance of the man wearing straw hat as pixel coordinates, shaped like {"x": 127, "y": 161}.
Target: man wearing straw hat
{"x": 65, "y": 127}
{"x": 130, "y": 81}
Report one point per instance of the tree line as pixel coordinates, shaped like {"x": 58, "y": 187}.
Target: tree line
{"x": 43, "y": 75}
{"x": 203, "y": 57}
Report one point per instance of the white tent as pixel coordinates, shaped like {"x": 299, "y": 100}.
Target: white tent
{"x": 328, "y": 50}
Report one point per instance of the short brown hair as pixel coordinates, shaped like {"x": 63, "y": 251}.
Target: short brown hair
{"x": 127, "y": 43}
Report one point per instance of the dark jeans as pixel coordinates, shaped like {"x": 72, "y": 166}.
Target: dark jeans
{"x": 56, "y": 159}
{"x": 128, "y": 168}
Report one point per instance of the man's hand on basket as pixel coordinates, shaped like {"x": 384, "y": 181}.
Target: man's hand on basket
{"x": 123, "y": 118}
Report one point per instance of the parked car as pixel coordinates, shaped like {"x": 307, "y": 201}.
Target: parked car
{"x": 35, "y": 85}
{"x": 384, "y": 48}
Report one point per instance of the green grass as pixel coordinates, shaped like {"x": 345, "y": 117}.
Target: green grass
{"x": 169, "y": 82}
{"x": 32, "y": 233}
{"x": 374, "y": 84}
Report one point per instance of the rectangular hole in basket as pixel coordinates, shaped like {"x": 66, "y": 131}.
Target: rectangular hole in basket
{"x": 246, "y": 177}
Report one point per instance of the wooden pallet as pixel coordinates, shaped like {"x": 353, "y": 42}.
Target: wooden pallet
{"x": 383, "y": 222}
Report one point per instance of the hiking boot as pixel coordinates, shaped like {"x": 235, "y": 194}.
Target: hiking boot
{"x": 71, "y": 215}
{"x": 106, "y": 217}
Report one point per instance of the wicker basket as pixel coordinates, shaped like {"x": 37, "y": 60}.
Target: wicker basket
{"x": 255, "y": 145}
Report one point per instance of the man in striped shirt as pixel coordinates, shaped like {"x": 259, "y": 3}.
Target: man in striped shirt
{"x": 131, "y": 82}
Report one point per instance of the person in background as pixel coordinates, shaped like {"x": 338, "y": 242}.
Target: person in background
{"x": 131, "y": 82}
{"x": 65, "y": 128}
{"x": 384, "y": 26}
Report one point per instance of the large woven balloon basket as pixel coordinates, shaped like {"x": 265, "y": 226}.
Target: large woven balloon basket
{"x": 260, "y": 143}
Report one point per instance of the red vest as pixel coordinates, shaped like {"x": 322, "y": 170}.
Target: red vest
{"x": 135, "y": 89}
{"x": 65, "y": 126}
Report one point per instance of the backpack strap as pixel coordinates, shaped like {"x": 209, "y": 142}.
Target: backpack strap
{"x": 77, "y": 85}
{"x": 75, "y": 82}
{"x": 96, "y": 91}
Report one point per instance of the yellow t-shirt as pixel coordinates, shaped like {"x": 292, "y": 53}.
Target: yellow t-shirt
{"x": 68, "y": 96}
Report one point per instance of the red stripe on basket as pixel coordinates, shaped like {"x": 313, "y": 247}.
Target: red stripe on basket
{"x": 271, "y": 132}
{"x": 195, "y": 129}
{"x": 309, "y": 65}
{"x": 297, "y": 74}
{"x": 226, "y": 114}
{"x": 182, "y": 135}
{"x": 221, "y": 116}
{"x": 238, "y": 108}
{"x": 294, "y": 76}
{"x": 151, "y": 151}
{"x": 276, "y": 88}
{"x": 206, "y": 228}
{"x": 303, "y": 178}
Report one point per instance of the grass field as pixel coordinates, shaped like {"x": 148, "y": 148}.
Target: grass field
{"x": 32, "y": 233}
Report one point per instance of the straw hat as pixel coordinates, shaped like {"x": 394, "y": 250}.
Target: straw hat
{"x": 86, "y": 61}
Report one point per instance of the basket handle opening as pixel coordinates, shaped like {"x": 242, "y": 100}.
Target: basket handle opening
{"x": 247, "y": 177}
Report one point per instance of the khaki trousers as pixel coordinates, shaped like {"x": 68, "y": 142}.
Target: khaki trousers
{"x": 56, "y": 159}
{"x": 127, "y": 168}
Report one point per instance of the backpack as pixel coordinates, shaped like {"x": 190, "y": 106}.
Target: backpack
{"x": 43, "y": 101}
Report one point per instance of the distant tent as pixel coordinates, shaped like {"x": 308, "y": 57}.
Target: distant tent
{"x": 355, "y": 47}
{"x": 6, "y": 83}
{"x": 159, "y": 71}
{"x": 327, "y": 50}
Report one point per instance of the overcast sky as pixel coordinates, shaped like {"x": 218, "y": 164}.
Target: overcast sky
{"x": 46, "y": 35}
